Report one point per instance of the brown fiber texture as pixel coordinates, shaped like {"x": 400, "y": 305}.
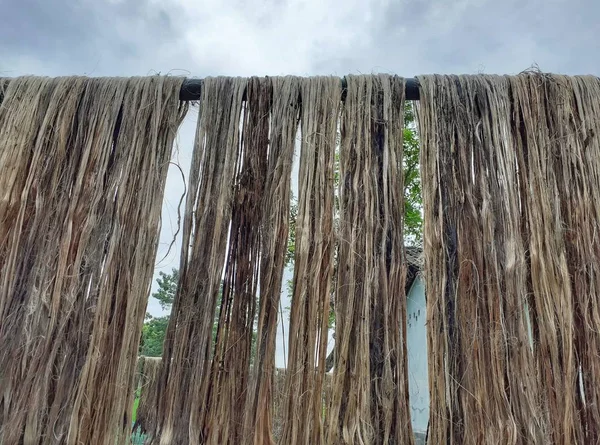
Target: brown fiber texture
{"x": 235, "y": 231}
{"x": 187, "y": 350}
{"x": 147, "y": 378}
{"x": 275, "y": 207}
{"x": 510, "y": 185}
{"x": 313, "y": 267}
{"x": 83, "y": 163}
{"x": 369, "y": 402}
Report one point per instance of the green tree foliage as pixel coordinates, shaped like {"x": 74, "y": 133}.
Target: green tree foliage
{"x": 153, "y": 336}
{"x": 291, "y": 245}
{"x": 155, "y": 328}
{"x": 167, "y": 286}
{"x": 413, "y": 204}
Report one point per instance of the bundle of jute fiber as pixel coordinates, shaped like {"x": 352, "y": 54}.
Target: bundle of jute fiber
{"x": 510, "y": 179}
{"x": 185, "y": 375}
{"x": 259, "y": 409}
{"x": 83, "y": 163}
{"x": 313, "y": 267}
{"x": 578, "y": 183}
{"x": 256, "y": 253}
{"x": 242, "y": 222}
{"x": 148, "y": 369}
{"x": 224, "y": 409}
{"x": 147, "y": 392}
{"x": 482, "y": 377}
{"x": 369, "y": 401}
{"x": 279, "y": 399}
{"x": 560, "y": 116}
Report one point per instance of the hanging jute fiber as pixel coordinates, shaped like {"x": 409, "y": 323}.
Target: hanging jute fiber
{"x": 148, "y": 369}
{"x": 369, "y": 402}
{"x": 187, "y": 350}
{"x": 510, "y": 189}
{"x": 235, "y": 239}
{"x": 274, "y": 233}
{"x": 83, "y": 163}
{"x": 217, "y": 379}
{"x": 313, "y": 266}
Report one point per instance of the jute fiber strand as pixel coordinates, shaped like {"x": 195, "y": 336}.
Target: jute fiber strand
{"x": 83, "y": 163}
{"x": 304, "y": 404}
{"x": 578, "y": 184}
{"x": 185, "y": 376}
{"x": 369, "y": 401}
{"x": 259, "y": 221}
{"x": 510, "y": 177}
{"x": 224, "y": 418}
{"x": 148, "y": 371}
{"x": 259, "y": 410}
{"x": 241, "y": 176}
{"x": 279, "y": 399}
{"x": 560, "y": 115}
{"x": 482, "y": 378}
{"x": 553, "y": 326}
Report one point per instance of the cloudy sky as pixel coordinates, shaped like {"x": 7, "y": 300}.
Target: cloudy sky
{"x": 304, "y": 37}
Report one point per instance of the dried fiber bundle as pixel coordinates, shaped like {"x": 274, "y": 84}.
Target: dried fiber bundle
{"x": 274, "y": 233}
{"x": 304, "y": 405}
{"x": 224, "y": 410}
{"x": 242, "y": 222}
{"x": 369, "y": 402}
{"x": 83, "y": 163}
{"x": 185, "y": 376}
{"x": 577, "y": 164}
{"x": 148, "y": 369}
{"x": 279, "y": 399}
{"x": 482, "y": 378}
{"x": 510, "y": 175}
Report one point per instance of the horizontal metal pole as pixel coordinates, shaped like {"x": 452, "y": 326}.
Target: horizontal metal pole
{"x": 191, "y": 88}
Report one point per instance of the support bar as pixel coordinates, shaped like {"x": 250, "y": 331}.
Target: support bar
{"x": 190, "y": 90}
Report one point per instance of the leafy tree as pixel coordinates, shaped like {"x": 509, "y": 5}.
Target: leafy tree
{"x": 167, "y": 286}
{"x": 413, "y": 204}
{"x": 155, "y": 328}
{"x": 153, "y": 336}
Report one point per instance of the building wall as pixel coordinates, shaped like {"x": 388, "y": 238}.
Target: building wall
{"x": 417, "y": 356}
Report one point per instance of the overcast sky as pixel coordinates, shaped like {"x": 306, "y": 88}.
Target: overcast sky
{"x": 276, "y": 37}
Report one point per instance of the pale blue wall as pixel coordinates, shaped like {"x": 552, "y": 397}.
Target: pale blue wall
{"x": 417, "y": 356}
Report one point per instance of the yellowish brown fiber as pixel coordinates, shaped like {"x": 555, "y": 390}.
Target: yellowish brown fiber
{"x": 369, "y": 395}
{"x": 148, "y": 371}
{"x": 259, "y": 410}
{"x": 304, "y": 404}
{"x": 510, "y": 175}
{"x": 236, "y": 237}
{"x": 83, "y": 166}
{"x": 185, "y": 375}
{"x": 578, "y": 183}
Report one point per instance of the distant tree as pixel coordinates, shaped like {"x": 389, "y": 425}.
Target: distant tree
{"x": 153, "y": 336}
{"x": 167, "y": 286}
{"x": 155, "y": 328}
{"x": 413, "y": 203}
